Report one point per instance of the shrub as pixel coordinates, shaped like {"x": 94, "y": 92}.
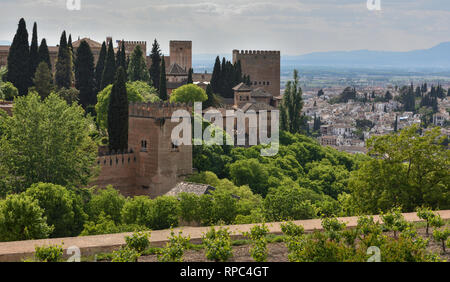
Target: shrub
{"x": 188, "y": 93}
{"x": 426, "y": 214}
{"x": 139, "y": 241}
{"x": 9, "y": 91}
{"x": 125, "y": 254}
{"x": 60, "y": 208}
{"x": 257, "y": 235}
{"x": 333, "y": 227}
{"x": 441, "y": 236}
{"x": 49, "y": 253}
{"x": 291, "y": 229}
{"x": 21, "y": 218}
{"x": 394, "y": 221}
{"x": 165, "y": 212}
{"x": 105, "y": 225}
{"x": 138, "y": 210}
{"x": 437, "y": 221}
{"x": 189, "y": 207}
{"x": 174, "y": 250}
{"x": 218, "y": 244}
{"x": 109, "y": 201}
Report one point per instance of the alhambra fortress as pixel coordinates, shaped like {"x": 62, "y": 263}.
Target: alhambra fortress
{"x": 153, "y": 165}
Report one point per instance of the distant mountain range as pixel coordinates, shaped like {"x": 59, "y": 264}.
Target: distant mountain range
{"x": 437, "y": 57}
{"x": 5, "y": 42}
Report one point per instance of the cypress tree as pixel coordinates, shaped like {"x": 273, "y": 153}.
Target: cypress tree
{"x": 118, "y": 113}
{"x": 84, "y": 75}
{"x": 34, "y": 53}
{"x": 110, "y": 67}
{"x": 44, "y": 55}
{"x": 155, "y": 68}
{"x": 215, "y": 78}
{"x": 210, "y": 102}
{"x": 19, "y": 60}
{"x": 137, "y": 69}
{"x": 43, "y": 80}
{"x": 121, "y": 57}
{"x": 162, "y": 84}
{"x": 100, "y": 66}
{"x": 63, "y": 73}
{"x": 189, "y": 79}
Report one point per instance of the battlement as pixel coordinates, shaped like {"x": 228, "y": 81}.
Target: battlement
{"x": 255, "y": 52}
{"x": 133, "y": 42}
{"x": 115, "y": 160}
{"x": 156, "y": 110}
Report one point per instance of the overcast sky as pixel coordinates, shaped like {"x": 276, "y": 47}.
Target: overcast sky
{"x": 219, "y": 26}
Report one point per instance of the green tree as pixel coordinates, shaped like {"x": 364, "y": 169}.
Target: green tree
{"x": 21, "y": 218}
{"x": 163, "y": 81}
{"x": 188, "y": 93}
{"x": 34, "y": 54}
{"x": 44, "y": 55}
{"x": 165, "y": 212}
{"x": 215, "y": 78}
{"x": 100, "y": 67}
{"x": 84, "y": 75}
{"x": 407, "y": 170}
{"x": 8, "y": 91}
{"x": 19, "y": 60}
{"x": 138, "y": 210}
{"x": 137, "y": 91}
{"x": 60, "y": 207}
{"x": 43, "y": 80}
{"x": 292, "y": 117}
{"x": 189, "y": 80}
{"x": 108, "y": 202}
{"x": 137, "y": 69}
{"x": 252, "y": 173}
{"x": 118, "y": 114}
{"x": 121, "y": 60}
{"x": 109, "y": 70}
{"x": 63, "y": 75}
{"x": 155, "y": 68}
{"x": 48, "y": 141}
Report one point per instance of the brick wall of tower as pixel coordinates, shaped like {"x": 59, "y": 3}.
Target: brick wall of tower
{"x": 263, "y": 68}
{"x": 181, "y": 53}
{"x": 156, "y": 166}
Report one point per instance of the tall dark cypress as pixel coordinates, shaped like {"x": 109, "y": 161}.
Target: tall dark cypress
{"x": 190, "y": 79}
{"x": 155, "y": 68}
{"x": 118, "y": 113}
{"x": 44, "y": 55}
{"x": 100, "y": 67}
{"x": 19, "y": 60}
{"x": 63, "y": 73}
{"x": 121, "y": 60}
{"x": 162, "y": 84}
{"x": 110, "y": 67}
{"x": 215, "y": 78}
{"x": 34, "y": 53}
{"x": 84, "y": 75}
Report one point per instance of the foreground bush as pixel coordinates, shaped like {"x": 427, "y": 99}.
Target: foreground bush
{"x": 218, "y": 244}
{"x": 49, "y": 253}
{"x": 257, "y": 235}
{"x": 21, "y": 218}
{"x": 174, "y": 250}
{"x": 61, "y": 207}
{"x": 125, "y": 254}
{"x": 139, "y": 241}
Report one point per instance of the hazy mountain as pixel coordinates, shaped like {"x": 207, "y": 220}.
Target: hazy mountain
{"x": 435, "y": 57}
{"x": 5, "y": 42}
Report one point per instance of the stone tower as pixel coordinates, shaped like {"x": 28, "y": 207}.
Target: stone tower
{"x": 263, "y": 68}
{"x": 181, "y": 53}
{"x": 153, "y": 165}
